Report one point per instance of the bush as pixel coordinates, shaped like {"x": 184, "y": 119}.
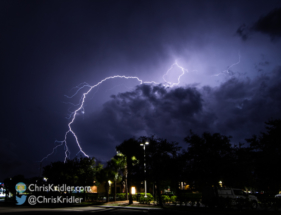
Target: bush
{"x": 173, "y": 199}
{"x": 92, "y": 196}
{"x": 135, "y": 198}
{"x": 165, "y": 199}
{"x": 89, "y": 196}
{"x": 147, "y": 200}
{"x": 186, "y": 197}
{"x": 144, "y": 200}
{"x": 121, "y": 196}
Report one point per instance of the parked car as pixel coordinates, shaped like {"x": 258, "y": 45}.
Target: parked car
{"x": 211, "y": 196}
{"x": 278, "y": 195}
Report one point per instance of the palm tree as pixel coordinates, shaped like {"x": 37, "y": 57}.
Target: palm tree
{"x": 129, "y": 148}
{"x": 122, "y": 159}
{"x": 116, "y": 164}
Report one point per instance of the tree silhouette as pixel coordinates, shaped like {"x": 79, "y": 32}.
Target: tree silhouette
{"x": 210, "y": 158}
{"x": 75, "y": 172}
{"x": 115, "y": 165}
{"x": 267, "y": 148}
{"x": 161, "y": 162}
{"x": 129, "y": 148}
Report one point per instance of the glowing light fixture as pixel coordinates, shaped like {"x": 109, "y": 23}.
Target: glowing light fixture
{"x": 133, "y": 190}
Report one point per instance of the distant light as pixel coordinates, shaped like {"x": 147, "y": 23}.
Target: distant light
{"x": 133, "y": 190}
{"x": 109, "y": 182}
{"x": 45, "y": 179}
{"x": 141, "y": 144}
{"x": 119, "y": 153}
{"x": 146, "y": 143}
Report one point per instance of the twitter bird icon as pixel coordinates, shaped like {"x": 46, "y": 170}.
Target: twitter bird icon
{"x": 21, "y": 199}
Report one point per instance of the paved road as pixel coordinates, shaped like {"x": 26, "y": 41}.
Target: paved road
{"x": 103, "y": 210}
{"x": 76, "y": 210}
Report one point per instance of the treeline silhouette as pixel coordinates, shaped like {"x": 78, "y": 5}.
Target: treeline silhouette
{"x": 206, "y": 160}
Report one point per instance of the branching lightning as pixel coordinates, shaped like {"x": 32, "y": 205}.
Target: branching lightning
{"x": 173, "y": 65}
{"x": 227, "y": 71}
{"x": 80, "y": 105}
{"x": 79, "y": 88}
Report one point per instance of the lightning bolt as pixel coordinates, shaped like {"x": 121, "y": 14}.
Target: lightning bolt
{"x": 227, "y": 70}
{"x": 170, "y": 84}
{"x": 80, "y": 106}
{"x": 79, "y": 88}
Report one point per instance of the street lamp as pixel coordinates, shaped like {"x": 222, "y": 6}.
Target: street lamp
{"x": 146, "y": 143}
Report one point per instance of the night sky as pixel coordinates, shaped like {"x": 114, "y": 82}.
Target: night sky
{"x": 231, "y": 52}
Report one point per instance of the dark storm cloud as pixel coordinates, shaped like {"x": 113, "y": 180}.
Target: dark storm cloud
{"x": 237, "y": 107}
{"x": 241, "y": 107}
{"x": 243, "y": 32}
{"x": 149, "y": 108}
{"x": 145, "y": 111}
{"x": 269, "y": 24}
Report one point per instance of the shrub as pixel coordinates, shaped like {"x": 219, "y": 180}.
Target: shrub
{"x": 146, "y": 200}
{"x": 165, "y": 199}
{"x": 173, "y": 199}
{"x": 121, "y": 196}
{"x": 92, "y": 197}
{"x": 186, "y": 197}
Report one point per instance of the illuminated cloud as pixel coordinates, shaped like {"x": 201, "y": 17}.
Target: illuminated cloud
{"x": 237, "y": 108}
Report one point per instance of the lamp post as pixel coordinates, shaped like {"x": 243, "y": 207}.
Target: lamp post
{"x": 146, "y": 143}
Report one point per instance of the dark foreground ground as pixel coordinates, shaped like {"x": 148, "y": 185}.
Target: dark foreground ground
{"x": 124, "y": 208}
